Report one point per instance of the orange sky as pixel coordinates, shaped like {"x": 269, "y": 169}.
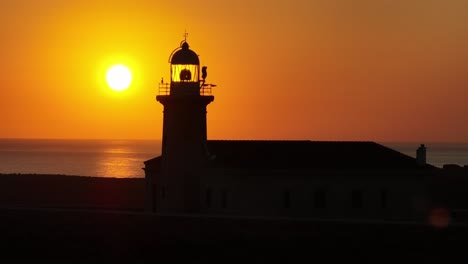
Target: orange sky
{"x": 290, "y": 69}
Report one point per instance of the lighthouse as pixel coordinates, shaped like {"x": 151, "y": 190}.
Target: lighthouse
{"x": 271, "y": 178}
{"x": 173, "y": 185}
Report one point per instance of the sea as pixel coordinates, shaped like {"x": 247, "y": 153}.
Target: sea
{"x": 124, "y": 158}
{"x": 97, "y": 158}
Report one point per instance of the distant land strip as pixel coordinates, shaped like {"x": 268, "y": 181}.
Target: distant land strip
{"x": 71, "y": 191}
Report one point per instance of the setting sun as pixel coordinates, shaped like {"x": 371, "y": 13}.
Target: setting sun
{"x": 119, "y": 77}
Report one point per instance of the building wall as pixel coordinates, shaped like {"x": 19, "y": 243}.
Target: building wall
{"x": 323, "y": 194}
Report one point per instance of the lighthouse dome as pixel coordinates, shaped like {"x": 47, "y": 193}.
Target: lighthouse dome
{"x": 184, "y": 55}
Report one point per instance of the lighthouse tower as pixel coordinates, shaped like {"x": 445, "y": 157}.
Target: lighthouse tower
{"x": 175, "y": 188}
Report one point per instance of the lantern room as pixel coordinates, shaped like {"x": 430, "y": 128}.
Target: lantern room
{"x": 185, "y": 65}
{"x": 187, "y": 78}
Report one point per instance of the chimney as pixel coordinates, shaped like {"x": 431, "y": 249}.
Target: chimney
{"x": 421, "y": 155}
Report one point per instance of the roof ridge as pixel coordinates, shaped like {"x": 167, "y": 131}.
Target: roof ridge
{"x": 294, "y": 140}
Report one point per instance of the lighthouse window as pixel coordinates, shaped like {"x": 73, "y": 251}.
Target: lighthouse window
{"x": 154, "y": 196}
{"x": 184, "y": 73}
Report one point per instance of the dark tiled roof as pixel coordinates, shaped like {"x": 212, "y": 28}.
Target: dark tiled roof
{"x": 307, "y": 154}
{"x": 290, "y": 154}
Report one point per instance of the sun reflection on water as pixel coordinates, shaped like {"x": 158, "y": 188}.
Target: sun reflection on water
{"x": 120, "y": 162}
{"x": 112, "y": 166}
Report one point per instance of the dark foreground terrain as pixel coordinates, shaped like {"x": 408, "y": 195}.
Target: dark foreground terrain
{"x": 56, "y": 191}
{"x": 80, "y": 219}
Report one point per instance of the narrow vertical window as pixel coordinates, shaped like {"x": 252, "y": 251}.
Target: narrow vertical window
{"x": 208, "y": 198}
{"x": 163, "y": 192}
{"x": 286, "y": 199}
{"x": 164, "y": 142}
{"x": 154, "y": 197}
{"x": 384, "y": 198}
{"x": 320, "y": 199}
{"x": 357, "y": 200}
{"x": 224, "y": 199}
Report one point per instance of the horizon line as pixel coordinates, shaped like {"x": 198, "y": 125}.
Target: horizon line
{"x": 250, "y": 139}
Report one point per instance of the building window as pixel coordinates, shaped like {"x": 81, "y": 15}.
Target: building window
{"x": 384, "y": 198}
{"x": 224, "y": 199}
{"x": 208, "y": 198}
{"x": 320, "y": 199}
{"x": 286, "y": 199}
{"x": 357, "y": 200}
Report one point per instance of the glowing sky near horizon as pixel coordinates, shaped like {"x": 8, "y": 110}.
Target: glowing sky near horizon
{"x": 287, "y": 69}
